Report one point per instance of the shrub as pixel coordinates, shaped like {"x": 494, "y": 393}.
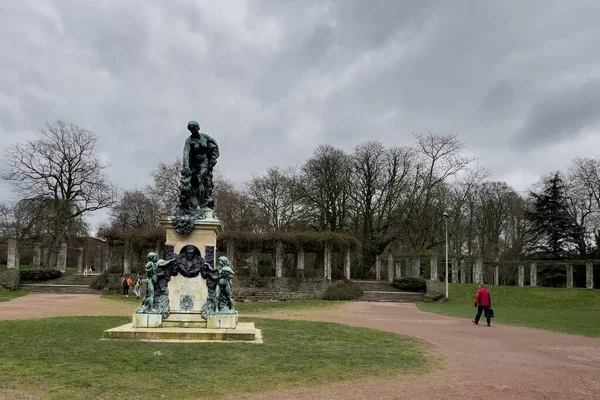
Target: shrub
{"x": 107, "y": 282}
{"x": 410, "y": 284}
{"x": 10, "y": 279}
{"x": 343, "y": 290}
{"x": 40, "y": 274}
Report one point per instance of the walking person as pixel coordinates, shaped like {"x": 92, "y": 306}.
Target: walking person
{"x": 139, "y": 281}
{"x": 126, "y": 283}
{"x": 483, "y": 302}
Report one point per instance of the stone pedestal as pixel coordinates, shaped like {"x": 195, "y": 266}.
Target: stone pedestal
{"x": 222, "y": 321}
{"x": 187, "y": 295}
{"x": 147, "y": 321}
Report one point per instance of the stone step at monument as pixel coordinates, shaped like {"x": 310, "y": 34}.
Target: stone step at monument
{"x": 183, "y": 324}
{"x": 376, "y": 286}
{"x": 244, "y": 332}
{"x": 184, "y": 320}
{"x": 57, "y": 288}
{"x": 275, "y": 296}
{"x": 67, "y": 280}
{"x": 391, "y": 296}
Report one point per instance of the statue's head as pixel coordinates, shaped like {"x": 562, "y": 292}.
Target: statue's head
{"x": 189, "y": 252}
{"x": 194, "y": 127}
{"x": 223, "y": 262}
{"x": 152, "y": 256}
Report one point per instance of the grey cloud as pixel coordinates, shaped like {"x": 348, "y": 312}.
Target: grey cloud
{"x": 274, "y": 83}
{"x": 561, "y": 116}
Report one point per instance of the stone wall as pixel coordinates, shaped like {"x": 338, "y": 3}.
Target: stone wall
{"x": 256, "y": 288}
{"x": 246, "y": 288}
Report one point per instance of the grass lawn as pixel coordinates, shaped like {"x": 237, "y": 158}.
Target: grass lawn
{"x": 574, "y": 311}
{"x": 63, "y": 358}
{"x": 6, "y": 295}
{"x": 252, "y": 308}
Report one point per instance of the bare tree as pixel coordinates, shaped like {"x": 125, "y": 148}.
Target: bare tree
{"x": 274, "y": 198}
{"x": 63, "y": 167}
{"x": 234, "y": 207}
{"x": 324, "y": 189}
{"x": 135, "y": 209}
{"x": 439, "y": 159}
{"x": 379, "y": 178}
{"x": 165, "y": 184}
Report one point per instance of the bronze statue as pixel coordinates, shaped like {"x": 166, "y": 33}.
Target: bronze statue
{"x": 200, "y": 155}
{"x": 153, "y": 269}
{"x": 224, "y": 284}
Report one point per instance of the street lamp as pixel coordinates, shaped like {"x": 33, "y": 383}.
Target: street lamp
{"x": 446, "y": 215}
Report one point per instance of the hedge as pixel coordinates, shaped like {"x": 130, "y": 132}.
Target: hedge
{"x": 40, "y": 274}
{"x": 343, "y": 290}
{"x": 410, "y": 284}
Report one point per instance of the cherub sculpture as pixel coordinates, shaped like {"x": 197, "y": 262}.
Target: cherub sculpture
{"x": 224, "y": 284}
{"x": 152, "y": 270}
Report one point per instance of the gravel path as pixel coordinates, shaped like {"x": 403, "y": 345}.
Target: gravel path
{"x": 501, "y": 362}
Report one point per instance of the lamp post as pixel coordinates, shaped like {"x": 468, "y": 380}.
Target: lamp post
{"x": 446, "y": 220}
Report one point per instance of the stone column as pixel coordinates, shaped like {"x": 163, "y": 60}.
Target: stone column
{"x": 37, "y": 255}
{"x": 18, "y": 258}
{"x": 107, "y": 259}
{"x": 127, "y": 258}
{"x": 533, "y": 274}
{"x": 390, "y": 268}
{"x": 11, "y": 262}
{"x": 463, "y": 271}
{"x": 417, "y": 267}
{"x": 327, "y": 262}
{"x": 569, "y": 269}
{"x": 278, "y": 259}
{"x": 347, "y": 257}
{"x": 45, "y": 261}
{"x": 521, "y": 275}
{"x": 434, "y": 268}
{"x": 478, "y": 270}
{"x": 61, "y": 262}
{"x": 496, "y": 274}
{"x": 231, "y": 254}
{"x": 80, "y": 261}
{"x": 589, "y": 275}
{"x": 300, "y": 262}
{"x": 254, "y": 261}
{"x": 398, "y": 269}
{"x": 377, "y": 268}
{"x": 454, "y": 268}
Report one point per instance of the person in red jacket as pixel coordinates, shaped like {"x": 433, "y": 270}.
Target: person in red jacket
{"x": 483, "y": 302}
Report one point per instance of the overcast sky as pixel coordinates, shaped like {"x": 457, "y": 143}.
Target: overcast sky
{"x": 270, "y": 80}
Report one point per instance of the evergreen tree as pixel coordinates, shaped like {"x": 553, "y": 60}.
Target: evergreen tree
{"x": 554, "y": 229}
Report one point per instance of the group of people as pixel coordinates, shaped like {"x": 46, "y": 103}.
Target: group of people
{"x": 87, "y": 270}
{"x": 137, "y": 285}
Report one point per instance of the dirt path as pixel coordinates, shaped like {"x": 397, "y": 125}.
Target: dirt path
{"x": 501, "y": 362}
{"x": 43, "y": 305}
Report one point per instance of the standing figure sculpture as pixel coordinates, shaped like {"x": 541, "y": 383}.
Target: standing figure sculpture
{"x": 200, "y": 155}
{"x": 224, "y": 285}
{"x": 152, "y": 272}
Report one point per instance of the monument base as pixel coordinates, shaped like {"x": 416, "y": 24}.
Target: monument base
{"x": 147, "y": 320}
{"x": 184, "y": 320}
{"x": 222, "y": 321}
{"x": 243, "y": 332}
